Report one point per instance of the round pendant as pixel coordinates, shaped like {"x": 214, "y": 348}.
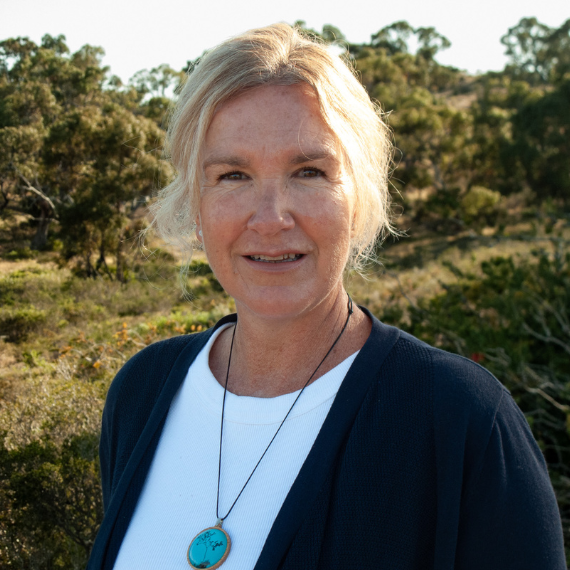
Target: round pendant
{"x": 209, "y": 548}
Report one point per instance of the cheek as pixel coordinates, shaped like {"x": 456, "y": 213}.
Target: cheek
{"x": 217, "y": 229}
{"x": 330, "y": 223}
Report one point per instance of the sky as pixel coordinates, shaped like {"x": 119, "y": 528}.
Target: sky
{"x": 146, "y": 33}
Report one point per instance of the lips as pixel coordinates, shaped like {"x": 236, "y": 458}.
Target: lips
{"x": 285, "y": 258}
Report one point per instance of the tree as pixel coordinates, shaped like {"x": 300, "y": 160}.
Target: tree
{"x": 389, "y": 48}
{"x": 559, "y": 52}
{"x": 39, "y": 86}
{"x": 77, "y": 146}
{"x": 393, "y": 38}
{"x": 493, "y": 162}
{"x": 430, "y": 42}
{"x": 541, "y": 142}
{"x": 329, "y": 34}
{"x": 158, "y": 81}
{"x": 432, "y": 137}
{"x": 538, "y": 54}
{"x": 51, "y": 503}
{"x": 124, "y": 166}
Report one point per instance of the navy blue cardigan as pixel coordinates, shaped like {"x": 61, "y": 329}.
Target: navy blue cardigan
{"x": 424, "y": 461}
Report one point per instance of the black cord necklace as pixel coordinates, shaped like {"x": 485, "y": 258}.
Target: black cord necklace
{"x": 210, "y": 547}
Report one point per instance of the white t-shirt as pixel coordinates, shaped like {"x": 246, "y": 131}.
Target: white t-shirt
{"x": 178, "y": 499}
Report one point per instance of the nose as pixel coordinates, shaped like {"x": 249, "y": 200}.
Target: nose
{"x": 271, "y": 213}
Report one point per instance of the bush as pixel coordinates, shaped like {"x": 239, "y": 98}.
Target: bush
{"x": 51, "y": 503}
{"x": 15, "y": 324}
{"x": 481, "y": 206}
{"x": 50, "y": 495}
{"x": 23, "y": 253}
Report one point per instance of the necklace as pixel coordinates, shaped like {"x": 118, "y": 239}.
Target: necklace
{"x": 211, "y": 546}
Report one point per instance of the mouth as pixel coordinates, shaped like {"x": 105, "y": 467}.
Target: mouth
{"x": 285, "y": 258}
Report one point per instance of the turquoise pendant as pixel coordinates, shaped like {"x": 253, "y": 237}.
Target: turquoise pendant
{"x": 209, "y": 548}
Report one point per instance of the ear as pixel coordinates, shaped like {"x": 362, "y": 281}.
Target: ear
{"x": 199, "y": 230}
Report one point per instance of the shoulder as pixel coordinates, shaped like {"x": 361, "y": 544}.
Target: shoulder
{"x": 144, "y": 374}
{"x": 469, "y": 407}
{"x": 459, "y": 399}
{"x": 456, "y": 380}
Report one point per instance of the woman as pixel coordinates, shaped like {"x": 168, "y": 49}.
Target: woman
{"x": 302, "y": 432}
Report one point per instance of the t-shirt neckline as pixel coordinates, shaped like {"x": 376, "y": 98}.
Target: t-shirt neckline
{"x": 251, "y": 410}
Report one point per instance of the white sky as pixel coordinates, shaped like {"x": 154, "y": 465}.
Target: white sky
{"x": 145, "y": 33}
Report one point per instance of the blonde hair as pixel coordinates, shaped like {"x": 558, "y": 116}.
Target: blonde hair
{"x": 278, "y": 55}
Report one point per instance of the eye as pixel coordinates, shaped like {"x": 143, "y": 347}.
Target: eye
{"x": 310, "y": 172}
{"x": 236, "y": 175}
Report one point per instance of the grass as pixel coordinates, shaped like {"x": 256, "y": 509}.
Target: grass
{"x": 57, "y": 329}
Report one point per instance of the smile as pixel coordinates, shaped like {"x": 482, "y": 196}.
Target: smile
{"x": 288, "y": 257}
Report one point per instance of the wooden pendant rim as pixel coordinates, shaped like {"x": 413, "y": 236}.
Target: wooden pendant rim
{"x": 222, "y": 559}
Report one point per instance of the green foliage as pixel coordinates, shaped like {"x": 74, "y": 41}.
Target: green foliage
{"x": 15, "y": 324}
{"x": 54, "y": 507}
{"x": 329, "y": 34}
{"x": 77, "y": 150}
{"x": 538, "y": 53}
{"x": 541, "y": 141}
{"x": 441, "y": 212}
{"x": 80, "y": 151}
{"x": 20, "y": 253}
{"x": 481, "y": 204}
{"x": 522, "y": 117}
{"x": 157, "y": 82}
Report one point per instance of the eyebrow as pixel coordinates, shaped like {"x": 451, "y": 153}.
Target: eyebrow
{"x": 239, "y": 162}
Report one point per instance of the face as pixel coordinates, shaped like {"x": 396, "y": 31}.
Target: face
{"x": 276, "y": 205}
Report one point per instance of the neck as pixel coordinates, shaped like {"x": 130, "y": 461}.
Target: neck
{"x": 273, "y": 357}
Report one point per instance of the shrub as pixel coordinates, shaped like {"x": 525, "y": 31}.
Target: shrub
{"x": 22, "y": 253}
{"x": 50, "y": 495}
{"x": 15, "y": 324}
{"x": 51, "y": 503}
{"x": 481, "y": 205}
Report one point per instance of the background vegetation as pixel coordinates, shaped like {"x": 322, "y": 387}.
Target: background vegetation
{"x": 482, "y": 179}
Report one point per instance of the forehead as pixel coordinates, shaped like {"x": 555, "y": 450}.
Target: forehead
{"x": 268, "y": 120}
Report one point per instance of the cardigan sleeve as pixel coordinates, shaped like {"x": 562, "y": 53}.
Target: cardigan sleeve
{"x": 110, "y": 428}
{"x": 509, "y": 517}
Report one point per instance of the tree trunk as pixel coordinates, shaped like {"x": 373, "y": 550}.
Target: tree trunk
{"x": 48, "y": 212}
{"x": 102, "y": 262}
{"x": 89, "y": 270}
{"x": 120, "y": 275}
{"x": 5, "y": 196}
{"x": 39, "y": 240}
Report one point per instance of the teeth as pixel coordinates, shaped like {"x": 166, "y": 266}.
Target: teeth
{"x": 277, "y": 259}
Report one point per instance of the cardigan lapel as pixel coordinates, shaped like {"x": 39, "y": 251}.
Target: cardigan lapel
{"x": 364, "y": 371}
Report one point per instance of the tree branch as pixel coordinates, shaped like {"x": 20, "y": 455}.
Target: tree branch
{"x": 38, "y": 193}
{"x": 548, "y": 339}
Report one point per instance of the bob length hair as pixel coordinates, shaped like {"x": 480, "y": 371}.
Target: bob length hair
{"x": 278, "y": 55}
